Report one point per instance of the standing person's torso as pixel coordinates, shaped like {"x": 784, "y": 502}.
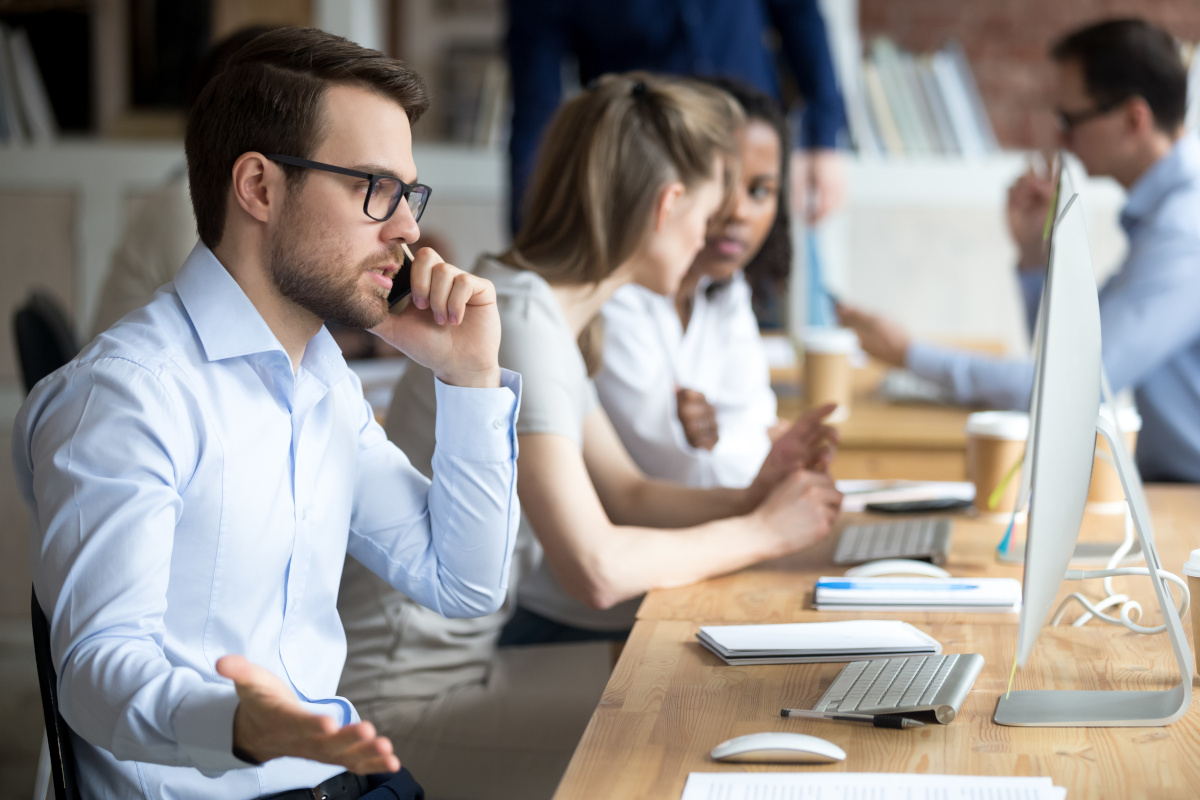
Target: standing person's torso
{"x": 683, "y": 37}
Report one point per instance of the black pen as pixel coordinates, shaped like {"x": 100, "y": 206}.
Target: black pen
{"x": 878, "y": 720}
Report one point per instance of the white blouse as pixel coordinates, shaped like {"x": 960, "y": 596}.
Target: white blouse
{"x": 648, "y": 355}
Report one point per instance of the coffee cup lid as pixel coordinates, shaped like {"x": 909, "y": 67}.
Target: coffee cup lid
{"x": 1128, "y": 418}
{"x": 830, "y": 340}
{"x": 1192, "y": 567}
{"x": 999, "y": 424}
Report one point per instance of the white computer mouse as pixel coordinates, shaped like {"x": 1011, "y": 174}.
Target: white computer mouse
{"x": 897, "y": 566}
{"x": 778, "y": 747}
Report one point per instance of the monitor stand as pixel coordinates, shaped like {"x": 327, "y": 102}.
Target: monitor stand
{"x": 1114, "y": 709}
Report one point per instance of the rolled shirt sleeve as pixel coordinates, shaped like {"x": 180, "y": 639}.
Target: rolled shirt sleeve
{"x": 994, "y": 382}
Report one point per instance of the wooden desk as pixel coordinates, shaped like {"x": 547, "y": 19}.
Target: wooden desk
{"x": 670, "y": 701}
{"x": 889, "y": 440}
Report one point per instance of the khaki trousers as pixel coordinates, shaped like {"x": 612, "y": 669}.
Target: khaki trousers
{"x": 509, "y": 736}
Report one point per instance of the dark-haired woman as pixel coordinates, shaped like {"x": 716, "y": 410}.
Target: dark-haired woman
{"x": 685, "y": 379}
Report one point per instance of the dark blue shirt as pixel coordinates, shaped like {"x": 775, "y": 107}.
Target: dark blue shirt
{"x": 688, "y": 37}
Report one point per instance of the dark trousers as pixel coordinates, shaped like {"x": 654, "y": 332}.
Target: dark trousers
{"x": 384, "y": 786}
{"x": 526, "y": 628}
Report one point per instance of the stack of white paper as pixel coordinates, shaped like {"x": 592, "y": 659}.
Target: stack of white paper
{"x": 917, "y": 594}
{"x": 857, "y": 493}
{"x": 876, "y": 786}
{"x": 812, "y": 642}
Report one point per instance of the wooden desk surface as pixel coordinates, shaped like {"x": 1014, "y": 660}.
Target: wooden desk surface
{"x": 889, "y": 440}
{"x": 670, "y": 701}
{"x": 874, "y": 422}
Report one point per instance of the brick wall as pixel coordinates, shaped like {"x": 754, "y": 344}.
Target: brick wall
{"x": 1007, "y": 40}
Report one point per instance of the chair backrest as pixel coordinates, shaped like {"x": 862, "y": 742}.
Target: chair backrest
{"x": 58, "y": 734}
{"x": 44, "y": 338}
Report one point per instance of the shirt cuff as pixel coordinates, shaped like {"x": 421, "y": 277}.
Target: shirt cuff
{"x": 478, "y": 424}
{"x": 932, "y": 362}
{"x": 203, "y": 724}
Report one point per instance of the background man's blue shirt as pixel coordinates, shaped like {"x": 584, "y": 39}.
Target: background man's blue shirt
{"x": 1149, "y": 319}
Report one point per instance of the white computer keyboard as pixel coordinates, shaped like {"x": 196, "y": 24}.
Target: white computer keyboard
{"x": 925, "y": 538}
{"x": 911, "y": 685}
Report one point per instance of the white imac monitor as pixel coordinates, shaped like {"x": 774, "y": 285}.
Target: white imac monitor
{"x": 1065, "y": 403}
{"x": 1064, "y": 193}
{"x": 1064, "y": 423}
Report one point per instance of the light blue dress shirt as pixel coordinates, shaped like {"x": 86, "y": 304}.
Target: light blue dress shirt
{"x": 1149, "y": 316}
{"x": 192, "y": 497}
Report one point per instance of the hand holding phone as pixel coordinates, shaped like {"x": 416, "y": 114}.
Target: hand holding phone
{"x": 451, "y": 325}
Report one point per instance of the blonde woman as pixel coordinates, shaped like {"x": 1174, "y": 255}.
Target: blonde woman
{"x": 631, "y": 171}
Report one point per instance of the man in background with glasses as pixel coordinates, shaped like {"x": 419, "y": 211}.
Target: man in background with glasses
{"x": 199, "y": 472}
{"x": 1120, "y": 97}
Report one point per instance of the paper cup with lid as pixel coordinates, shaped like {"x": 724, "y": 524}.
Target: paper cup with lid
{"x": 995, "y": 448}
{"x": 1105, "y": 495}
{"x": 1191, "y": 571}
{"x": 827, "y": 368}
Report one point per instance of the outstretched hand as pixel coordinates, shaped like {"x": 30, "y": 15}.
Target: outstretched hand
{"x": 451, "y": 324}
{"x": 807, "y": 445}
{"x": 270, "y": 723}
{"x": 880, "y": 337}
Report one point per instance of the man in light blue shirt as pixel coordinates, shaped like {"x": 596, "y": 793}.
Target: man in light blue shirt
{"x": 1120, "y": 95}
{"x": 198, "y": 473}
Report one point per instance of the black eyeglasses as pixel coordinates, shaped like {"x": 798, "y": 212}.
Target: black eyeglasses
{"x": 1070, "y": 120}
{"x": 384, "y": 192}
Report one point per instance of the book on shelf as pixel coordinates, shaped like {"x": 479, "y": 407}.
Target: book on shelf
{"x": 25, "y": 111}
{"x": 959, "y": 57}
{"x": 1192, "y": 119}
{"x": 889, "y": 132}
{"x": 12, "y": 127}
{"x": 906, "y": 104}
{"x": 899, "y": 96}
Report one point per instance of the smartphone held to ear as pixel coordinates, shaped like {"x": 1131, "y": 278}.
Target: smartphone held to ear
{"x": 402, "y": 280}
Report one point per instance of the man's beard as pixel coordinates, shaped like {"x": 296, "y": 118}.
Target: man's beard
{"x": 328, "y": 289}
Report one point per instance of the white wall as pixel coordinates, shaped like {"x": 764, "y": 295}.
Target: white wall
{"x": 926, "y": 242}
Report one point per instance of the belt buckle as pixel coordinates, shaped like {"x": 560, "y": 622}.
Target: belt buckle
{"x": 319, "y": 794}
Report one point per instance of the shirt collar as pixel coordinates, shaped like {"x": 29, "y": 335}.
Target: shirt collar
{"x": 229, "y": 326}
{"x": 1181, "y": 165}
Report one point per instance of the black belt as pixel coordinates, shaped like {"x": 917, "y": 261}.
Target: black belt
{"x": 346, "y": 786}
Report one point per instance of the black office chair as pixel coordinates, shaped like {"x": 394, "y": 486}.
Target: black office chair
{"x": 58, "y": 734}
{"x": 44, "y": 338}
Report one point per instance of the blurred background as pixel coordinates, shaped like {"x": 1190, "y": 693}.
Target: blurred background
{"x": 944, "y": 104}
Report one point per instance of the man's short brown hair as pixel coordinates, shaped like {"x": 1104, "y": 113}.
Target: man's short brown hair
{"x": 270, "y": 100}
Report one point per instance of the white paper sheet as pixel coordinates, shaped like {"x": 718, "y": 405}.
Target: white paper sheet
{"x": 864, "y": 786}
{"x": 860, "y": 492}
